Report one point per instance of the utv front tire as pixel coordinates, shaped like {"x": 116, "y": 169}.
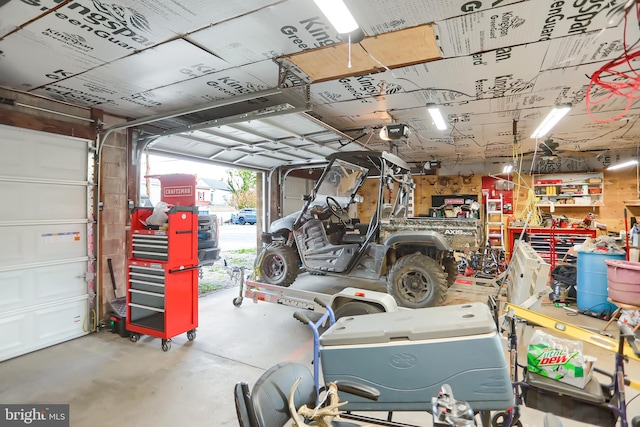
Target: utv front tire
{"x": 278, "y": 265}
{"x": 450, "y": 269}
{"x": 417, "y": 281}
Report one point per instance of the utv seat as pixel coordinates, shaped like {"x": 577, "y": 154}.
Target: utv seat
{"x": 357, "y": 233}
{"x": 319, "y": 253}
{"x": 267, "y": 404}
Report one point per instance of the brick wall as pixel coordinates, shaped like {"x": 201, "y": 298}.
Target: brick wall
{"x": 114, "y": 215}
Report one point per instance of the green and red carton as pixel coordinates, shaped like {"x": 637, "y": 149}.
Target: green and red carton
{"x": 559, "y": 359}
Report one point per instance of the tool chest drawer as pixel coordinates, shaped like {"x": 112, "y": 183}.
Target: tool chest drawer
{"x": 150, "y": 246}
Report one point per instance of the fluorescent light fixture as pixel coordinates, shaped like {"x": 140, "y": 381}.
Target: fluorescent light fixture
{"x": 622, "y": 165}
{"x": 551, "y": 120}
{"x": 436, "y": 116}
{"x": 507, "y": 169}
{"x": 338, "y": 14}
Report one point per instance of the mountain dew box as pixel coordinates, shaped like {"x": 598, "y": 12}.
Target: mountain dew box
{"x": 559, "y": 359}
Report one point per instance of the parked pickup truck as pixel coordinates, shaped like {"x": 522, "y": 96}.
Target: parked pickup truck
{"x": 208, "y": 239}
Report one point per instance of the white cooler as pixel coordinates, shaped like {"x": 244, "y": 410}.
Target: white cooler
{"x": 408, "y": 355}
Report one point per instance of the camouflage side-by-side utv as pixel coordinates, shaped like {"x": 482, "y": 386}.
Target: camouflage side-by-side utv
{"x": 414, "y": 254}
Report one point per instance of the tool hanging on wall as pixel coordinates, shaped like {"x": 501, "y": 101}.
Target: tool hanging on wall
{"x": 118, "y": 304}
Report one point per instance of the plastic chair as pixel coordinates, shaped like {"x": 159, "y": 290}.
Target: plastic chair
{"x": 616, "y": 314}
{"x": 267, "y": 404}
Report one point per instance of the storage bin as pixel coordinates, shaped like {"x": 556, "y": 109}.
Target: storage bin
{"x": 624, "y": 281}
{"x": 592, "y": 281}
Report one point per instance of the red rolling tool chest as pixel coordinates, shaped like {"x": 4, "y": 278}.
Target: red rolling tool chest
{"x": 162, "y": 282}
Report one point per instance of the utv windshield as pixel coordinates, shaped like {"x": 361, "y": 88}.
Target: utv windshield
{"x": 341, "y": 180}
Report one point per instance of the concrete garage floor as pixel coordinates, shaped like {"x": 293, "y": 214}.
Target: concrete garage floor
{"x": 110, "y": 381}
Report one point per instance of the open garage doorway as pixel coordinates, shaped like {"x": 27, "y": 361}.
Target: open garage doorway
{"x": 225, "y": 193}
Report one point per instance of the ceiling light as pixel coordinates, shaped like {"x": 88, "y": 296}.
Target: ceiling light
{"x": 622, "y": 165}
{"x": 551, "y": 120}
{"x": 507, "y": 169}
{"x": 338, "y": 14}
{"x": 436, "y": 116}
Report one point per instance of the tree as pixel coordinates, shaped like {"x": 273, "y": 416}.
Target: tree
{"x": 243, "y": 188}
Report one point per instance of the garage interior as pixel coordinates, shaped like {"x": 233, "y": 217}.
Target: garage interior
{"x": 88, "y": 87}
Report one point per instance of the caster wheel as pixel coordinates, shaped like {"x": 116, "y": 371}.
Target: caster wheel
{"x": 500, "y": 419}
{"x": 134, "y": 337}
{"x": 237, "y": 301}
{"x": 191, "y": 335}
{"x": 166, "y": 345}
{"x": 635, "y": 422}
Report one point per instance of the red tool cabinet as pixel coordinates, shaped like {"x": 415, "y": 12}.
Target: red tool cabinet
{"x": 541, "y": 240}
{"x": 162, "y": 282}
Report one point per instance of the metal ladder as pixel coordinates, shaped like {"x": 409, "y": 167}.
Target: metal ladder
{"x": 494, "y": 225}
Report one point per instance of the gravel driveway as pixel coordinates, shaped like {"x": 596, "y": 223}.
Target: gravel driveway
{"x": 219, "y": 275}
{"x": 237, "y": 249}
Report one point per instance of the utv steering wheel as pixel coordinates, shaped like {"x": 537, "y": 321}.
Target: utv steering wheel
{"x": 338, "y": 210}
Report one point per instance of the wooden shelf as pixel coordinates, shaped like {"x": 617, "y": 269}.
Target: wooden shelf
{"x": 633, "y": 206}
{"x": 567, "y": 205}
{"x": 583, "y": 187}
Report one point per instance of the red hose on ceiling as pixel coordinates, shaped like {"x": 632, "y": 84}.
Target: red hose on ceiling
{"x": 616, "y": 78}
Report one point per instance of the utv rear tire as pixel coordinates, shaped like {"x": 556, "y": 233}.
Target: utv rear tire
{"x": 450, "y": 269}
{"x": 417, "y": 281}
{"x": 278, "y": 265}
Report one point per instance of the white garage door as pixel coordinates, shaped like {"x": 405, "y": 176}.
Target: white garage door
{"x": 45, "y": 236}
{"x": 294, "y": 188}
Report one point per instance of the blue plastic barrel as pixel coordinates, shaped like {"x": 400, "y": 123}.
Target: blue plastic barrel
{"x": 592, "y": 281}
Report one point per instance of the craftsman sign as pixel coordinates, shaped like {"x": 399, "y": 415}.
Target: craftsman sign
{"x": 178, "y": 191}
{"x": 454, "y": 201}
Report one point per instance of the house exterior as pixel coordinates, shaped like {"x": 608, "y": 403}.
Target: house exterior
{"x": 212, "y": 192}
{"x": 212, "y": 196}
